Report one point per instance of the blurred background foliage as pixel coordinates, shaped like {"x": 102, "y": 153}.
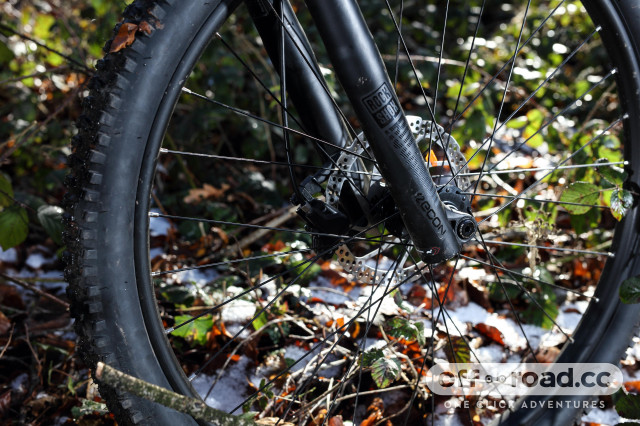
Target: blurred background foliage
{"x": 47, "y": 54}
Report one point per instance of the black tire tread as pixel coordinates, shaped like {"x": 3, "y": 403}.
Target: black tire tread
{"x": 82, "y": 202}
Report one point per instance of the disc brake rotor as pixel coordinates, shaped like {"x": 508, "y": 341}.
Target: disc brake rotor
{"x": 448, "y": 159}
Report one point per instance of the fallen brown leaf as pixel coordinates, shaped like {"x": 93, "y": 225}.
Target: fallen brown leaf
{"x": 145, "y": 27}
{"x": 5, "y": 324}
{"x": 206, "y": 192}
{"x": 633, "y": 386}
{"x": 125, "y": 37}
{"x": 491, "y": 332}
{"x": 336, "y": 421}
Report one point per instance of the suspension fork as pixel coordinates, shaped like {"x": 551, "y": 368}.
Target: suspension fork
{"x": 437, "y": 232}
{"x": 305, "y": 83}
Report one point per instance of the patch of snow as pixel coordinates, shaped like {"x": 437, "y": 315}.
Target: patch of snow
{"x": 491, "y": 353}
{"x": 158, "y": 226}
{"x": 156, "y": 251}
{"x": 475, "y": 274}
{"x": 295, "y": 353}
{"x": 231, "y": 389}
{"x": 324, "y": 313}
{"x": 238, "y": 311}
{"x": 602, "y": 417}
{"x": 374, "y": 344}
{"x": 20, "y": 384}
{"x": 474, "y": 314}
{"x": 37, "y": 260}
{"x": 239, "y": 329}
{"x": 376, "y": 302}
{"x": 568, "y": 320}
{"x": 9, "y": 256}
{"x": 331, "y": 297}
{"x": 198, "y": 276}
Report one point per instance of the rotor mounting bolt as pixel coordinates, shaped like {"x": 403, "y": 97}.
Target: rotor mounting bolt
{"x": 466, "y": 228}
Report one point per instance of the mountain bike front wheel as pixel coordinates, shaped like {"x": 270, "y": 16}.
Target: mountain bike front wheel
{"x": 189, "y": 267}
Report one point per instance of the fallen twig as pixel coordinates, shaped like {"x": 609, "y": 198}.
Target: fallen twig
{"x": 35, "y": 289}
{"x": 194, "y": 407}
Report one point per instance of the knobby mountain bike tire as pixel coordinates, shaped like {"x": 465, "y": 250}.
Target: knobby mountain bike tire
{"x": 185, "y": 92}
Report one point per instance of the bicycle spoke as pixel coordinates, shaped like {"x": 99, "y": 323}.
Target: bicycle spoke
{"x": 270, "y": 123}
{"x": 536, "y": 200}
{"x": 226, "y": 262}
{"x": 285, "y": 114}
{"x": 267, "y": 162}
{"x": 513, "y": 309}
{"x": 417, "y": 77}
{"x": 506, "y": 64}
{"x": 538, "y": 181}
{"x": 504, "y": 98}
{"x": 466, "y": 70}
{"x": 319, "y": 78}
{"x": 521, "y": 275}
{"x": 570, "y": 250}
{"x": 262, "y": 227}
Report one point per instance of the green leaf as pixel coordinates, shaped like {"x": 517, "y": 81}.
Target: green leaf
{"x": 42, "y": 26}
{"x": 397, "y": 297}
{"x": 401, "y": 327}
{"x": 249, "y": 416}
{"x": 517, "y": 123}
{"x": 6, "y": 55}
{"x": 370, "y": 357}
{"x": 307, "y": 271}
{"x": 50, "y": 218}
{"x": 195, "y": 331}
{"x": 497, "y": 292}
{"x": 458, "y": 350}
{"x": 610, "y": 148}
{"x": 628, "y": 406}
{"x": 535, "y": 117}
{"x": 580, "y": 193}
{"x": 630, "y": 290}
{"x": 615, "y": 175}
{"x": 532, "y": 136}
{"x": 6, "y": 191}
{"x": 385, "y": 370}
{"x": 621, "y": 202}
{"x": 586, "y": 222}
{"x": 545, "y": 311}
{"x": 260, "y": 321}
{"x": 14, "y": 226}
